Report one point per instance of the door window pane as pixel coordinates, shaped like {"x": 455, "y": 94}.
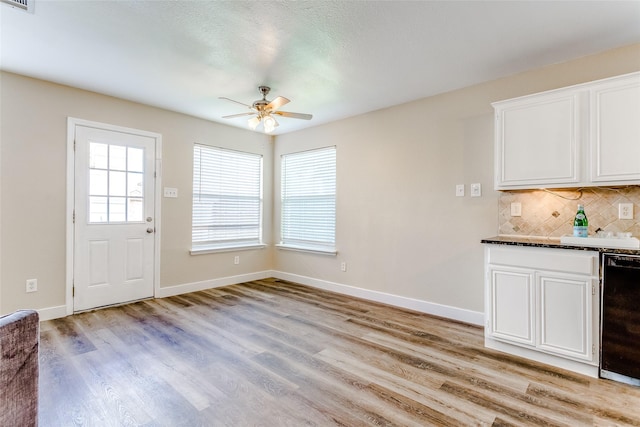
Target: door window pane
{"x": 98, "y": 209}
{"x": 134, "y": 209}
{"x": 135, "y": 159}
{"x": 117, "y": 183}
{"x": 134, "y": 184}
{"x": 98, "y": 155}
{"x": 117, "y": 157}
{"x": 98, "y": 182}
{"x": 117, "y": 209}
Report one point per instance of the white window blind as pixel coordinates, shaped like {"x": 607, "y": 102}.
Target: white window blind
{"x": 227, "y": 198}
{"x": 309, "y": 200}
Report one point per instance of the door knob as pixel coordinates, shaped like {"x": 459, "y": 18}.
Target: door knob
{"x": 149, "y": 219}
{"x": 149, "y": 230}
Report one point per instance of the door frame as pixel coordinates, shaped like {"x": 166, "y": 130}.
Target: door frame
{"x": 72, "y": 123}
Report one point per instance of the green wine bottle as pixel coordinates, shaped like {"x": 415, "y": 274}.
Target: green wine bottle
{"x": 580, "y": 223}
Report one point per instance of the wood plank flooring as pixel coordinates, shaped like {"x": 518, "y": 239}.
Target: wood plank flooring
{"x": 275, "y": 353}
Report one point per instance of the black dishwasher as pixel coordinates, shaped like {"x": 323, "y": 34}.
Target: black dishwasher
{"x": 620, "y": 327}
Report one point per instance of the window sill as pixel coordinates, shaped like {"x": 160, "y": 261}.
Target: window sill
{"x": 204, "y": 250}
{"x": 313, "y": 250}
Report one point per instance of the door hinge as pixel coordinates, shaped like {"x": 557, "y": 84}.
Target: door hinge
{"x": 74, "y": 145}
{"x": 155, "y": 174}
{"x": 73, "y": 291}
{"x": 593, "y": 289}
{"x": 593, "y": 349}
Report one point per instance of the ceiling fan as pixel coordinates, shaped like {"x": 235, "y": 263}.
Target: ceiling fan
{"x": 265, "y": 110}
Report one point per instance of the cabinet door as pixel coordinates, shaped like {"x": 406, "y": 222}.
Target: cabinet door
{"x": 538, "y": 140}
{"x": 511, "y": 299}
{"x": 565, "y": 324}
{"x": 615, "y": 130}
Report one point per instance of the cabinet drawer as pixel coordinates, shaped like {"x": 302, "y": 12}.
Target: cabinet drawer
{"x": 567, "y": 261}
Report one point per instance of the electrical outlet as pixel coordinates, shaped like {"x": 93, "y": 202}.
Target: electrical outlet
{"x": 476, "y": 190}
{"x": 460, "y": 190}
{"x": 170, "y": 192}
{"x": 625, "y": 211}
{"x": 236, "y": 260}
{"x": 343, "y": 266}
{"x": 516, "y": 209}
{"x": 32, "y": 285}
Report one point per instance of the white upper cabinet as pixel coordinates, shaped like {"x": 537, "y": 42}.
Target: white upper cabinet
{"x": 537, "y": 140}
{"x": 584, "y": 135}
{"x": 615, "y": 130}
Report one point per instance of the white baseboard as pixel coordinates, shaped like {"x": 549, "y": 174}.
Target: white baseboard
{"x": 454, "y": 313}
{"x": 51, "y": 313}
{"x": 184, "y": 288}
{"x": 61, "y": 311}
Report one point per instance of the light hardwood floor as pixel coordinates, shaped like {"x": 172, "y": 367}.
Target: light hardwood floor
{"x": 275, "y": 353}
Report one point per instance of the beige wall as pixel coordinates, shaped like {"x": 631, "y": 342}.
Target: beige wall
{"x": 400, "y": 228}
{"x": 33, "y": 187}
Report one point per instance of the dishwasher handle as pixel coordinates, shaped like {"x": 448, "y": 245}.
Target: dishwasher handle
{"x": 632, "y": 262}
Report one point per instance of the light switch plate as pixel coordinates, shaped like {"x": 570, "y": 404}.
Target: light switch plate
{"x": 170, "y": 192}
{"x": 460, "y": 190}
{"x": 476, "y": 190}
{"x": 516, "y": 209}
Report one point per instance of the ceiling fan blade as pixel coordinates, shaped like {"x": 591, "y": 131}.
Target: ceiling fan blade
{"x": 237, "y": 102}
{"x": 277, "y": 103}
{"x": 293, "y": 115}
{"x": 238, "y": 115}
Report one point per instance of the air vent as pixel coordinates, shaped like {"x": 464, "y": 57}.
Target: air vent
{"x": 26, "y": 5}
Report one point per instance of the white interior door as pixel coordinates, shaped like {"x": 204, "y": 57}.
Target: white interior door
{"x": 114, "y": 225}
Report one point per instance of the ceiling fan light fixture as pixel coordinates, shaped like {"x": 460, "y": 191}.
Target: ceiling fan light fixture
{"x": 254, "y": 122}
{"x": 269, "y": 124}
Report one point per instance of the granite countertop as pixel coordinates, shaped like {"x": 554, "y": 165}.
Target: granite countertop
{"x": 552, "y": 242}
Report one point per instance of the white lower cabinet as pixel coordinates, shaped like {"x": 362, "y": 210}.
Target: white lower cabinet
{"x": 512, "y": 305}
{"x": 565, "y": 315}
{"x": 543, "y": 304}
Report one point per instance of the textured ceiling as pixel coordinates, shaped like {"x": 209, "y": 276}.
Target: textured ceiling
{"x": 333, "y": 59}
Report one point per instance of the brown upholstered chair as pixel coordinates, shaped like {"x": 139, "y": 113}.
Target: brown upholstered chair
{"x": 19, "y": 340}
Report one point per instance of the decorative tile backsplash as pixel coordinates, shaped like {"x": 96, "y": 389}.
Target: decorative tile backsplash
{"x": 550, "y": 213}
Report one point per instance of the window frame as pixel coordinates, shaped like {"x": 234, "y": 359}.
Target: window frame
{"x": 308, "y": 245}
{"x": 232, "y": 244}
